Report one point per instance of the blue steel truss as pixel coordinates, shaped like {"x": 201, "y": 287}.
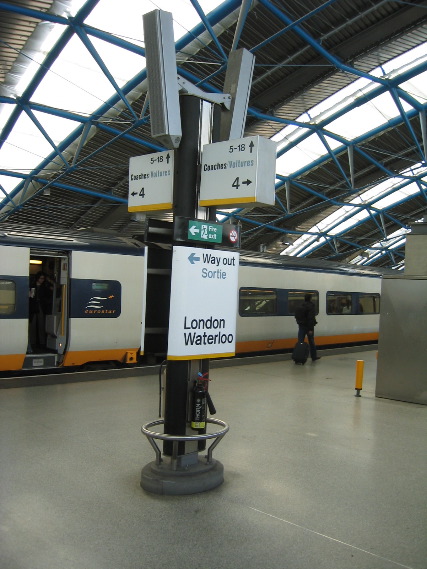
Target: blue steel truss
{"x": 21, "y": 195}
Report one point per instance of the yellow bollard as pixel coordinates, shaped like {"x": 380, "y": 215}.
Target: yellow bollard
{"x": 359, "y": 377}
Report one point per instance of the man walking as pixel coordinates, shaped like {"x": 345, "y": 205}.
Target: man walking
{"x": 305, "y": 315}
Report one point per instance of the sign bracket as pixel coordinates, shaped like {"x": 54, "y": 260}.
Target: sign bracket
{"x": 190, "y": 89}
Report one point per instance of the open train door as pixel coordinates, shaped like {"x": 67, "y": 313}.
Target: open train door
{"x": 48, "y": 328}
{"x": 56, "y": 321}
{"x": 14, "y": 284}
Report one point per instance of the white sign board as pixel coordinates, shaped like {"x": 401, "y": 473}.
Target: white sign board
{"x": 203, "y": 308}
{"x": 151, "y": 181}
{"x": 238, "y": 172}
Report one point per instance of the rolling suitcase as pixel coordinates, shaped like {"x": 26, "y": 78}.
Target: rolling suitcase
{"x": 300, "y": 353}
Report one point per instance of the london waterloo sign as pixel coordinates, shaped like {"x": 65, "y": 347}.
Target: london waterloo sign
{"x": 202, "y": 321}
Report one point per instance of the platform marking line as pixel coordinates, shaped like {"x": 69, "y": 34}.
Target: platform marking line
{"x": 331, "y": 538}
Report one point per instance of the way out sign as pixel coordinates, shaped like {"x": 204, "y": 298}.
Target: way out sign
{"x": 202, "y": 321}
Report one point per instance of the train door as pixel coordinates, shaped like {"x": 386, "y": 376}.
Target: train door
{"x": 106, "y": 307}
{"x": 13, "y": 306}
{"x": 48, "y": 309}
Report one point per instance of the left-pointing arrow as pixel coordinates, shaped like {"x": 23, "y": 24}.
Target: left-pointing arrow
{"x": 193, "y": 230}
{"x": 193, "y": 258}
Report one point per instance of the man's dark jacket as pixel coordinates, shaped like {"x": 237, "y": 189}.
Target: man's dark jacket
{"x": 305, "y": 315}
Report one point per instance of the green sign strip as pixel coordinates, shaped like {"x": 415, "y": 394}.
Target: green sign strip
{"x": 204, "y": 231}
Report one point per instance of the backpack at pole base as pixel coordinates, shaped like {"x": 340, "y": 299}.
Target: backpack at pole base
{"x": 300, "y": 353}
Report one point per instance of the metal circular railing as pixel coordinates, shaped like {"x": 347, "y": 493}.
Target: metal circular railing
{"x": 175, "y": 439}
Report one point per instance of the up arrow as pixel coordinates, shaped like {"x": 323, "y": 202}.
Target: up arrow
{"x": 193, "y": 230}
{"x": 193, "y": 258}
{"x": 251, "y": 146}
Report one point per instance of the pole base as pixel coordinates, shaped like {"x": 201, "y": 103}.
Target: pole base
{"x": 200, "y": 477}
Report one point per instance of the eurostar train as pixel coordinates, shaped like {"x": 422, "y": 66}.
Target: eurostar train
{"x": 106, "y": 299}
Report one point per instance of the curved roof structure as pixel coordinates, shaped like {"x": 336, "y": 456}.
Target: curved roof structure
{"x": 340, "y": 85}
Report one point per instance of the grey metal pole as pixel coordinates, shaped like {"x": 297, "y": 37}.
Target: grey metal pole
{"x": 185, "y": 205}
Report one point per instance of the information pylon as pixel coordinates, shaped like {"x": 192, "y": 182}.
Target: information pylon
{"x": 185, "y": 473}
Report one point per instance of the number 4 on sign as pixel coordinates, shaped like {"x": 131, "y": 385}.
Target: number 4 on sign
{"x": 236, "y": 183}
{"x": 142, "y": 193}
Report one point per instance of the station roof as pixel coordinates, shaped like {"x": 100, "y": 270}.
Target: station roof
{"x": 341, "y": 86}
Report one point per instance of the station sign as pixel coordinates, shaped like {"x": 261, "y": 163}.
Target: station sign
{"x": 151, "y": 178}
{"x": 203, "y": 305}
{"x": 187, "y": 230}
{"x": 238, "y": 173}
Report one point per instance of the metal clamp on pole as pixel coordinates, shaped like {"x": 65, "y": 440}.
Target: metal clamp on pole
{"x": 175, "y": 439}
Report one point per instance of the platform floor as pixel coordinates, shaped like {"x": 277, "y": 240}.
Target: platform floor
{"x": 315, "y": 478}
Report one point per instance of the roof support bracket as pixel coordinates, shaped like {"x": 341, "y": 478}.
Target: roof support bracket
{"x": 288, "y": 195}
{"x": 383, "y": 225}
{"x": 350, "y": 151}
{"x": 38, "y": 124}
{"x": 208, "y": 27}
{"x": 334, "y": 158}
{"x": 406, "y": 121}
{"x": 93, "y": 52}
{"x": 82, "y": 141}
{"x": 423, "y": 123}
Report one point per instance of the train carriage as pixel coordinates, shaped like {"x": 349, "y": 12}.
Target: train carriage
{"x": 97, "y": 299}
{"x": 108, "y": 302}
{"x": 347, "y": 301}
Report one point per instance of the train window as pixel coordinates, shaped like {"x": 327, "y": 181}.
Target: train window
{"x": 369, "y": 303}
{"x": 7, "y": 296}
{"x": 339, "y": 303}
{"x": 296, "y": 297}
{"x": 257, "y": 302}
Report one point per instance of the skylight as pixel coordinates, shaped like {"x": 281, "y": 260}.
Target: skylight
{"x": 381, "y": 248}
{"x": 357, "y": 121}
{"x": 379, "y": 197}
{"x": 75, "y": 82}
{"x": 307, "y": 151}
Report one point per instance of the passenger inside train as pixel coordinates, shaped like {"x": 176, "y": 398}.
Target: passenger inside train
{"x": 42, "y": 296}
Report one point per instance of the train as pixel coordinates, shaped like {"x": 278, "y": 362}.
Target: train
{"x": 108, "y": 300}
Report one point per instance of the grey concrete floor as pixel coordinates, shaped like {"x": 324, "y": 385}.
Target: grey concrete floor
{"x": 315, "y": 478}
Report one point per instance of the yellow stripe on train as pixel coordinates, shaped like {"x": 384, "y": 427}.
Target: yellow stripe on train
{"x": 11, "y": 362}
{"x": 124, "y": 355}
{"x": 289, "y": 343}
